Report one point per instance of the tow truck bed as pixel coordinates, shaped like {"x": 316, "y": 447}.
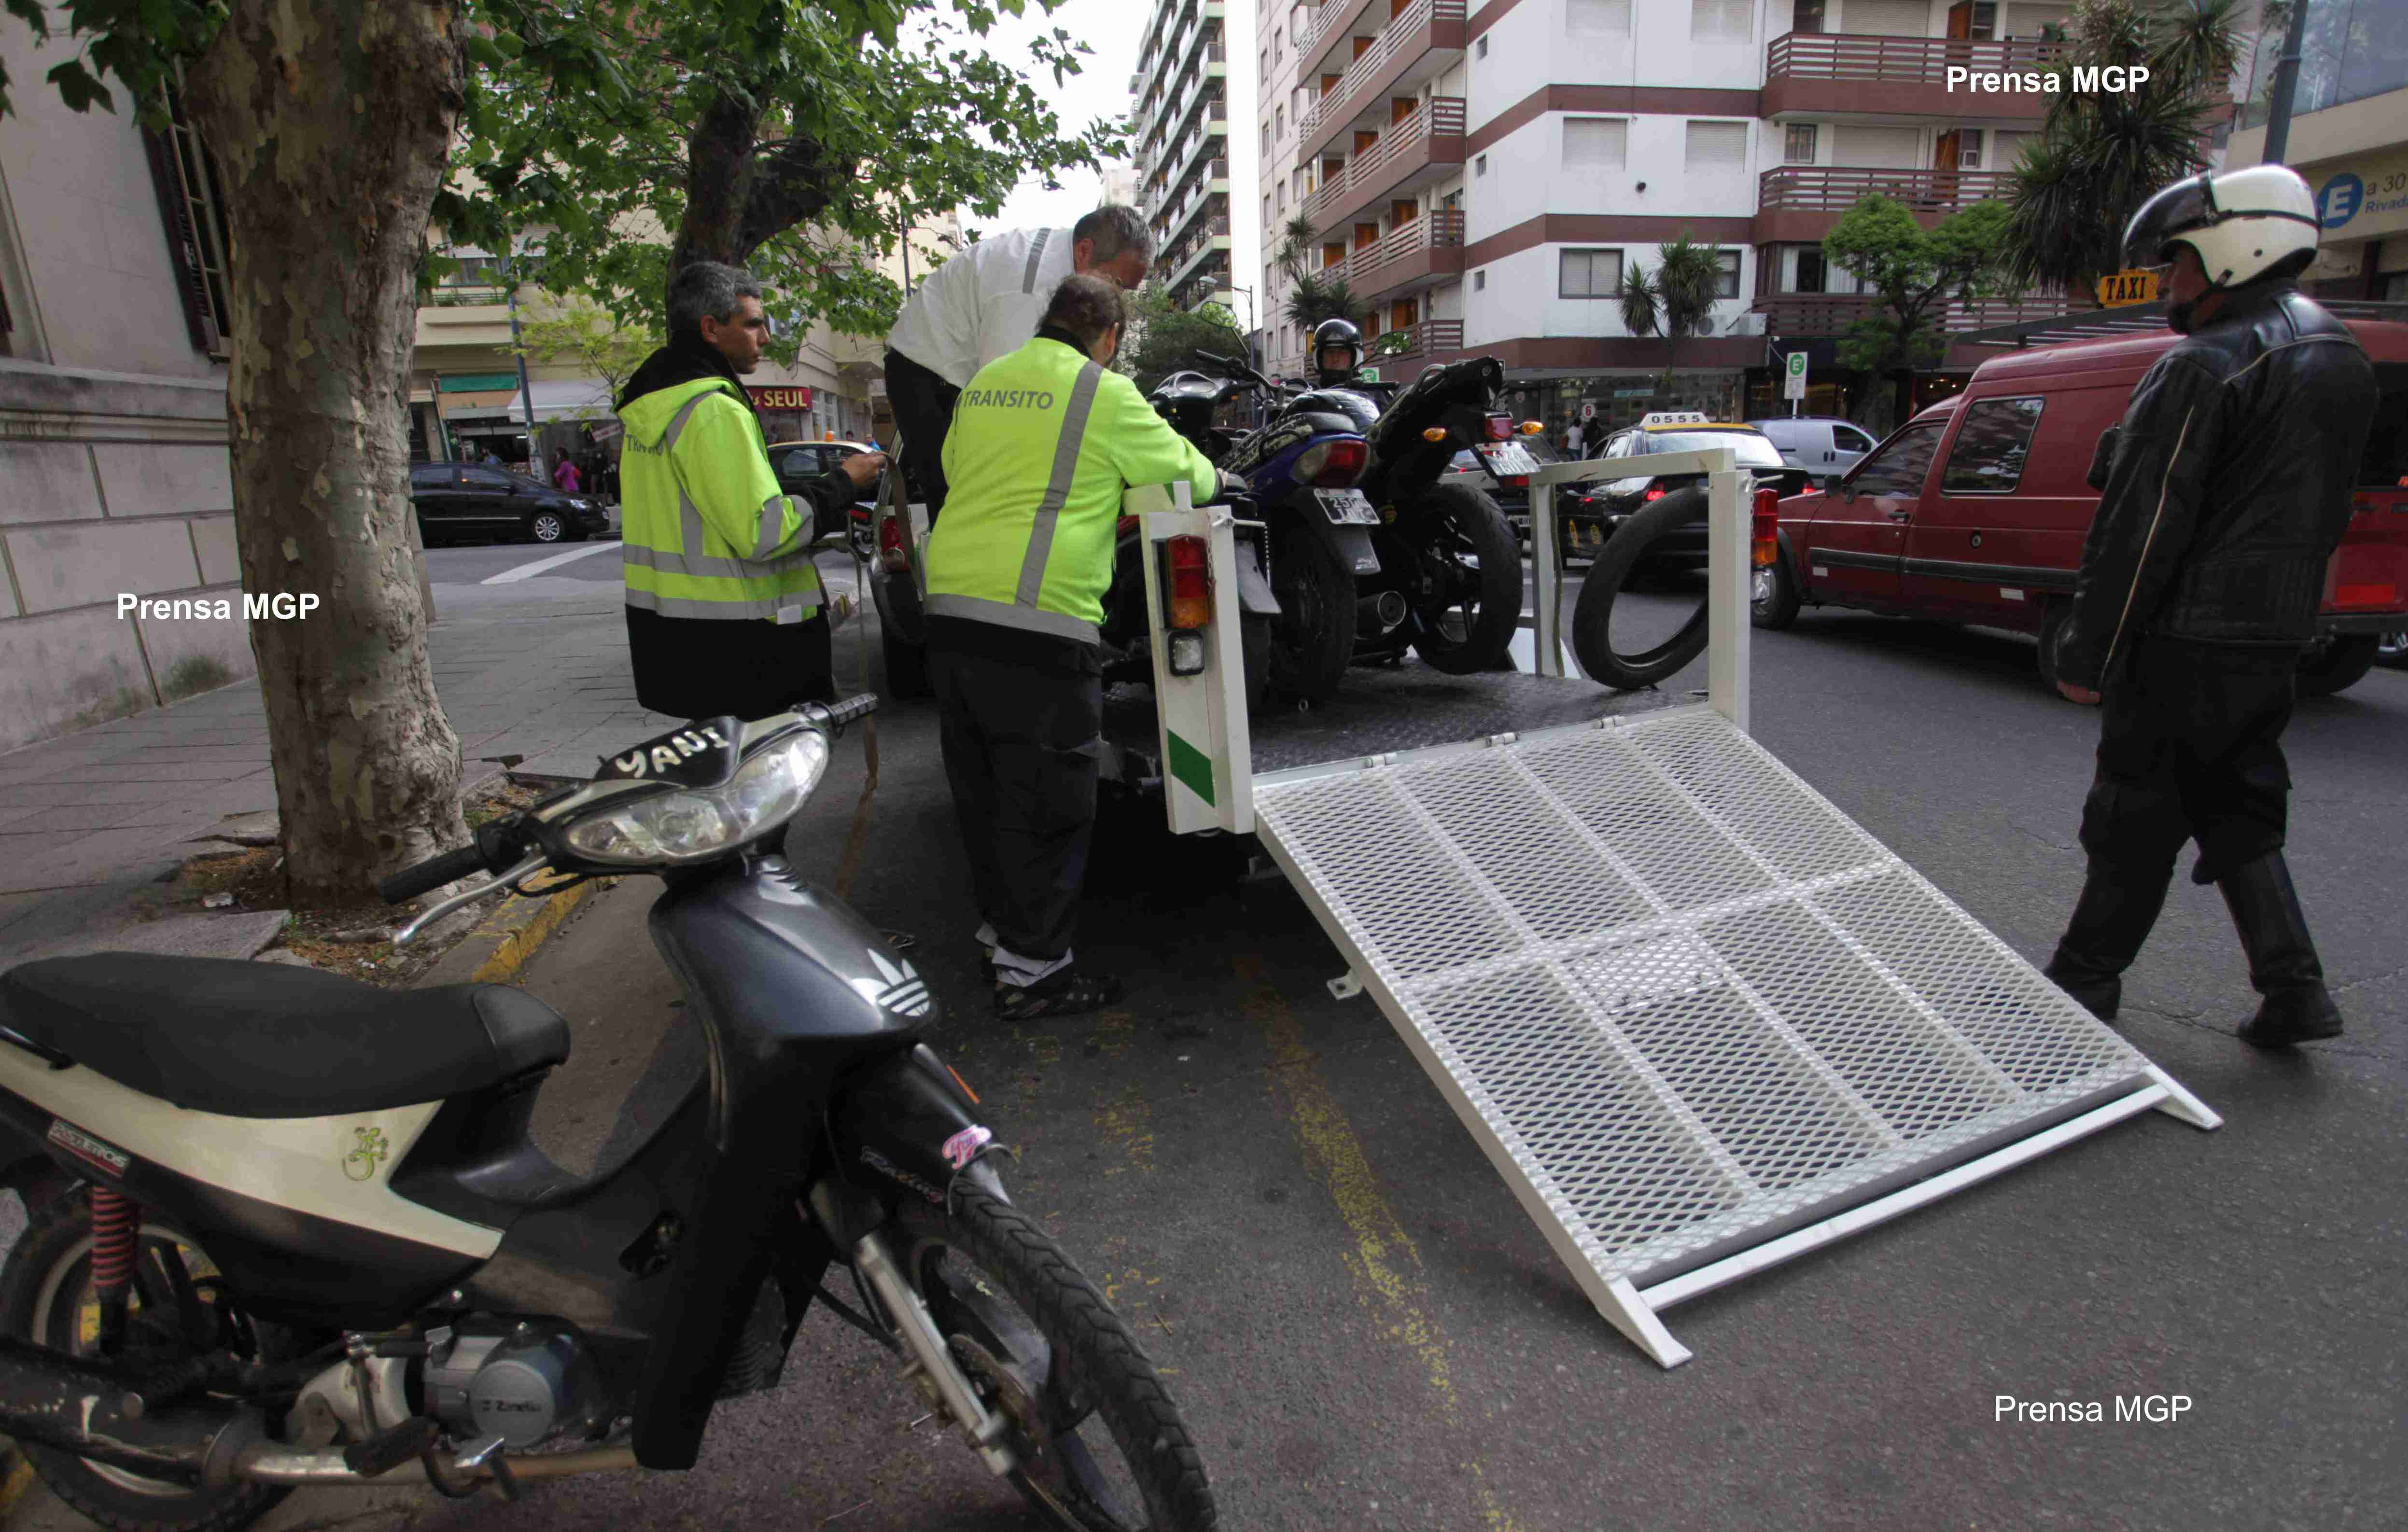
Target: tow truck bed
{"x": 1380, "y": 711}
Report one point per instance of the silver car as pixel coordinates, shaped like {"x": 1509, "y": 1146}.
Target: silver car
{"x": 1825, "y": 445}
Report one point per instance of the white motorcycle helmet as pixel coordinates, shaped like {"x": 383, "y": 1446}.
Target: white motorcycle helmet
{"x": 2245, "y": 224}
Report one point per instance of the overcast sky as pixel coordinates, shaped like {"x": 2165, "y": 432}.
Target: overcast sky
{"x": 1114, "y": 28}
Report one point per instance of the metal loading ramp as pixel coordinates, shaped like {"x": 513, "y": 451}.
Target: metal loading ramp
{"x": 1701, "y": 1022}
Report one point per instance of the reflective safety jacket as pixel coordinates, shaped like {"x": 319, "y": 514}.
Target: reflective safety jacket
{"x": 705, "y": 530}
{"x": 1044, "y": 443}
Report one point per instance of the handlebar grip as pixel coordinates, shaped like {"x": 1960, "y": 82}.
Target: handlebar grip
{"x": 409, "y": 882}
{"x": 841, "y": 713}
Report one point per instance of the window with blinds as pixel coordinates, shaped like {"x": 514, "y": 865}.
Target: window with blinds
{"x": 1596, "y": 18}
{"x": 192, "y": 203}
{"x": 1596, "y": 143}
{"x": 1877, "y": 149}
{"x": 1885, "y": 18}
{"x": 1716, "y": 147}
{"x": 1590, "y": 274}
{"x": 1720, "y": 21}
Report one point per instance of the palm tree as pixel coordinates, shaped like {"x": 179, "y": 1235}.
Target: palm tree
{"x": 2101, "y": 156}
{"x": 1295, "y": 248}
{"x": 1674, "y": 300}
{"x": 1315, "y": 300}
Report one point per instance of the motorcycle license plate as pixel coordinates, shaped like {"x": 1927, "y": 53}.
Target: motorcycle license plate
{"x": 1509, "y": 457}
{"x": 1347, "y": 508}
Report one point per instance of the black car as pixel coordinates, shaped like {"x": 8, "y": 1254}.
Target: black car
{"x": 458, "y": 502}
{"x": 794, "y": 461}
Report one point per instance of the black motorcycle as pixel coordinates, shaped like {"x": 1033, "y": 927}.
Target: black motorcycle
{"x": 306, "y": 1239}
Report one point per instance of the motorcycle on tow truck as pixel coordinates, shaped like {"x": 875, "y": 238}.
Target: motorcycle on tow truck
{"x": 1371, "y": 552}
{"x": 306, "y": 1239}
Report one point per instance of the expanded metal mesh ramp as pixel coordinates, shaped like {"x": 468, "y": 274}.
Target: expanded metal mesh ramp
{"x": 1700, "y": 1019}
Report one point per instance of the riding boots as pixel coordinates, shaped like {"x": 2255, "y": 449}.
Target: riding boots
{"x": 2295, "y": 1006}
{"x": 2110, "y": 921}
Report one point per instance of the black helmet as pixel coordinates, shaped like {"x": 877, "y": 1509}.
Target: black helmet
{"x": 1341, "y": 335}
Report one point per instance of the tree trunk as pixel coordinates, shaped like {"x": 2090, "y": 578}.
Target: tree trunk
{"x": 333, "y": 122}
{"x": 718, "y": 185}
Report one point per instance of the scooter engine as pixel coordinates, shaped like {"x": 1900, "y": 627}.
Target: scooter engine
{"x": 525, "y": 1383}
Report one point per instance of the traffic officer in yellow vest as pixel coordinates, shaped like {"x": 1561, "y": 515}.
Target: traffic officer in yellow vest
{"x": 722, "y": 602}
{"x": 1044, "y": 442}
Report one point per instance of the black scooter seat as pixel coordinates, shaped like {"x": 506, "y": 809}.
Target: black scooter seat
{"x": 264, "y": 1039}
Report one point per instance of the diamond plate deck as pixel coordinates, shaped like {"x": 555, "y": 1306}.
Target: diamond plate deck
{"x": 1687, "y": 1005}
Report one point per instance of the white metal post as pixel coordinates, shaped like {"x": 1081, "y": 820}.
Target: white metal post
{"x": 1729, "y": 533}
{"x": 1547, "y": 579}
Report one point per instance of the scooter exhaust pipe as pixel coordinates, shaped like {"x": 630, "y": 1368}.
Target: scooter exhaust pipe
{"x": 267, "y": 1463}
{"x": 94, "y": 1411}
{"x": 1383, "y": 610}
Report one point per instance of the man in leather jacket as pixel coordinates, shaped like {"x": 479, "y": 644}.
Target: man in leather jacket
{"x": 2225, "y": 492}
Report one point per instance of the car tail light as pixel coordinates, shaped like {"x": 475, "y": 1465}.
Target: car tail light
{"x": 2381, "y": 597}
{"x": 1763, "y": 543}
{"x": 1332, "y": 465}
{"x": 1187, "y": 583}
{"x": 1655, "y": 491}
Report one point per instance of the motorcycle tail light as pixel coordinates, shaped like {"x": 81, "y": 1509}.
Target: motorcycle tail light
{"x": 1332, "y": 465}
{"x": 1655, "y": 491}
{"x": 1187, "y": 583}
{"x": 1763, "y": 543}
{"x": 1518, "y": 481}
{"x": 890, "y": 534}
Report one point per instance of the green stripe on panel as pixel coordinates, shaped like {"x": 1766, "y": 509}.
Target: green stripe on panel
{"x": 1192, "y": 767}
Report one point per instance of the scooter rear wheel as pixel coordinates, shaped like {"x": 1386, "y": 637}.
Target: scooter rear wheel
{"x": 1102, "y": 1447}
{"x": 1467, "y": 549}
{"x": 46, "y": 1297}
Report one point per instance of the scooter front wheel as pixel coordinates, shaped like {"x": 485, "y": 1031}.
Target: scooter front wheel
{"x": 1102, "y": 1446}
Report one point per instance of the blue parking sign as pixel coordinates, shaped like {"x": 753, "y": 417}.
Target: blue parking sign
{"x": 2339, "y": 199}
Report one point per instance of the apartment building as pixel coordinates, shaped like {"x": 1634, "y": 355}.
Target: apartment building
{"x": 1484, "y": 172}
{"x": 1192, "y": 81}
{"x": 2349, "y": 138}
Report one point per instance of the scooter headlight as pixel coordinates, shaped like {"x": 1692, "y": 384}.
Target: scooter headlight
{"x": 695, "y": 824}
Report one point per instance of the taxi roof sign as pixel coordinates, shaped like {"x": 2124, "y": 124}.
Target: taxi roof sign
{"x": 2126, "y": 288}
{"x": 1672, "y": 417}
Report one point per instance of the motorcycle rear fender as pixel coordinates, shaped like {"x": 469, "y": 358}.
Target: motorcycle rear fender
{"x": 1254, "y": 587}
{"x": 1352, "y": 543}
{"x": 902, "y": 1125}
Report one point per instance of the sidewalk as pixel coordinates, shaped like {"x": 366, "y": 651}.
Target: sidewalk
{"x": 532, "y": 674}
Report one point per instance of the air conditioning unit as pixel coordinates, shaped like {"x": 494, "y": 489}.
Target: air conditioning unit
{"x": 1969, "y": 159}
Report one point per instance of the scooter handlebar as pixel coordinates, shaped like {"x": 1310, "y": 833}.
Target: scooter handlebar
{"x": 840, "y": 713}
{"x": 449, "y": 868}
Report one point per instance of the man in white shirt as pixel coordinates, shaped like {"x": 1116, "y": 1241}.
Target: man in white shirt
{"x": 983, "y": 304}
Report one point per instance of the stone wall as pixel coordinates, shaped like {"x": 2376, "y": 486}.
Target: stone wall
{"x": 110, "y": 483}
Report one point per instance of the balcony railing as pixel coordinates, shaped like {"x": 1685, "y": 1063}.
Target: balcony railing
{"x": 1338, "y": 102}
{"x": 1360, "y": 269}
{"x": 1810, "y": 189}
{"x": 1899, "y": 61}
{"x": 1428, "y": 338}
{"x": 1440, "y": 117}
{"x": 1801, "y": 315}
{"x": 1194, "y": 250}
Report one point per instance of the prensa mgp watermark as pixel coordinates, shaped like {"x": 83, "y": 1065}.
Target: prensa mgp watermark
{"x": 2087, "y": 80}
{"x": 257, "y": 606}
{"x": 2128, "y": 1409}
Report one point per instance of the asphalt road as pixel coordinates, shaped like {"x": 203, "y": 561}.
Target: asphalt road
{"x": 1363, "y": 1330}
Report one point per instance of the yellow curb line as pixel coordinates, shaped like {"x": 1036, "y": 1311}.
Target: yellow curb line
{"x": 521, "y": 927}
{"x": 19, "y": 1480}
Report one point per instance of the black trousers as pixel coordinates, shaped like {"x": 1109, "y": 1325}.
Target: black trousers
{"x": 697, "y": 668}
{"x": 1023, "y": 744}
{"x": 923, "y": 412}
{"x": 2190, "y": 749}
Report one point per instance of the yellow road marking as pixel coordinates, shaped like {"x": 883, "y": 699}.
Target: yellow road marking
{"x": 1385, "y": 1264}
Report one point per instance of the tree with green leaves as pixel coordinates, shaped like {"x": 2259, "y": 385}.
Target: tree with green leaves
{"x": 331, "y": 124}
{"x": 1162, "y": 338}
{"x": 1916, "y": 273}
{"x": 1316, "y": 299}
{"x": 1676, "y": 299}
{"x": 590, "y": 340}
{"x": 2101, "y": 155}
{"x": 612, "y": 145}
{"x": 1294, "y": 254}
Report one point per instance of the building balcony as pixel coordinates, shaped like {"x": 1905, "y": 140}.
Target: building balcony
{"x": 1424, "y": 146}
{"x": 1207, "y": 159}
{"x": 1423, "y": 39}
{"x": 1430, "y": 339}
{"x": 1423, "y": 253}
{"x": 1334, "y": 21}
{"x": 1803, "y": 316}
{"x": 1183, "y": 262}
{"x": 1819, "y": 73}
{"x": 1798, "y": 203}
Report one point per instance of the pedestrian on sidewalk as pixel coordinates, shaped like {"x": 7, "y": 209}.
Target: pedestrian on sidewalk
{"x": 565, "y": 477}
{"x": 983, "y": 304}
{"x": 1046, "y": 443}
{"x": 723, "y": 611}
{"x": 2225, "y": 490}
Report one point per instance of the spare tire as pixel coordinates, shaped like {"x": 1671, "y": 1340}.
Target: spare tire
{"x": 1593, "y": 617}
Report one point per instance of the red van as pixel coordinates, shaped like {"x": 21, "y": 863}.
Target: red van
{"x": 1975, "y": 511}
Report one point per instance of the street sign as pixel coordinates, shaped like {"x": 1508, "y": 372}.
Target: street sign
{"x": 1370, "y": 375}
{"x": 2126, "y": 288}
{"x": 1588, "y": 413}
{"x": 1793, "y": 385}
